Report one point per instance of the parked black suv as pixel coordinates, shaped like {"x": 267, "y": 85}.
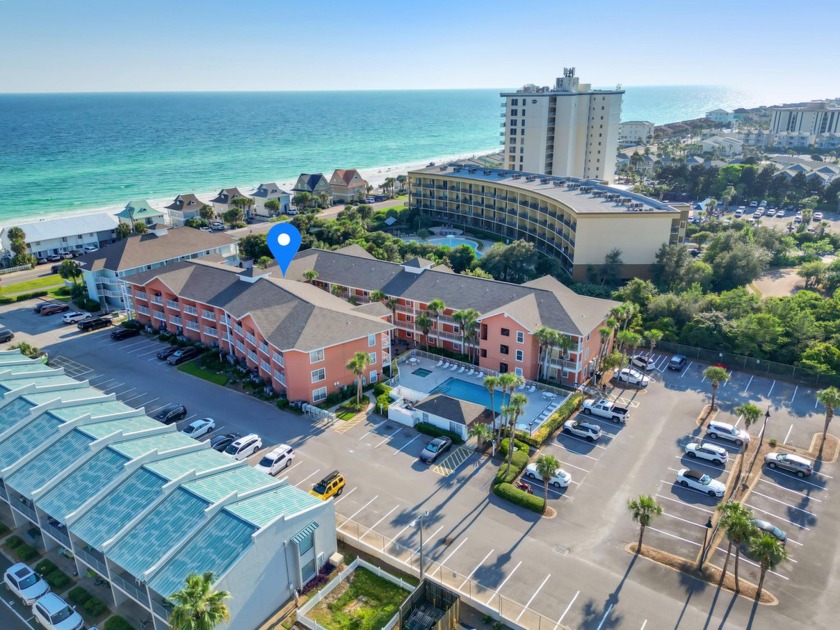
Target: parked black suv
{"x": 183, "y": 354}
{"x": 124, "y": 333}
{"x": 94, "y": 324}
{"x": 171, "y": 413}
{"x": 166, "y": 353}
{"x": 221, "y": 442}
{"x": 677, "y": 363}
{"x": 6, "y": 334}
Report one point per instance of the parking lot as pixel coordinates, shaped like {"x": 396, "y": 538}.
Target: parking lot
{"x": 571, "y": 568}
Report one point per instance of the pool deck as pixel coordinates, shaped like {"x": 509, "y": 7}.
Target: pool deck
{"x": 538, "y": 400}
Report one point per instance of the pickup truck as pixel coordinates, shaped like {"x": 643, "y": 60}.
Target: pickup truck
{"x": 605, "y": 409}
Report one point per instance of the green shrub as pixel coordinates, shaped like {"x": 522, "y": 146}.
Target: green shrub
{"x": 57, "y": 579}
{"x": 557, "y": 419}
{"x": 94, "y": 607}
{"x": 4, "y": 529}
{"x": 520, "y": 446}
{"x": 519, "y": 497}
{"x": 383, "y": 401}
{"x": 117, "y": 623}
{"x": 508, "y": 475}
{"x": 430, "y": 429}
{"x": 380, "y": 388}
{"x": 45, "y": 567}
{"x": 27, "y": 552}
{"x": 86, "y": 304}
{"x": 22, "y": 297}
{"x": 13, "y": 542}
{"x": 79, "y": 595}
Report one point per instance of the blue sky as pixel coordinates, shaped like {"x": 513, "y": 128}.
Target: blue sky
{"x": 126, "y": 45}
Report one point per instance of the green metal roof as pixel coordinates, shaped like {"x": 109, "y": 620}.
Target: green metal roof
{"x": 161, "y": 442}
{"x": 49, "y": 463}
{"x": 216, "y": 487}
{"x": 264, "y": 507}
{"x": 137, "y": 210}
{"x": 82, "y": 484}
{"x": 162, "y": 529}
{"x": 215, "y": 548}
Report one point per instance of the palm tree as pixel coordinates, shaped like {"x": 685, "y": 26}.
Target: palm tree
{"x": 605, "y": 332}
{"x": 197, "y": 605}
{"x": 770, "y": 552}
{"x": 735, "y": 520}
{"x": 547, "y": 467}
{"x": 392, "y": 304}
{"x": 425, "y": 323}
{"x": 628, "y": 338}
{"x": 309, "y": 275}
{"x": 481, "y": 432}
{"x": 740, "y": 531}
{"x": 643, "y": 509}
{"x": 302, "y": 200}
{"x": 69, "y": 270}
{"x": 547, "y": 338}
{"x": 435, "y": 309}
{"x": 830, "y": 399}
{"x": 514, "y": 410}
{"x": 727, "y": 196}
{"x": 467, "y": 320}
{"x": 653, "y": 337}
{"x": 716, "y": 375}
{"x": 272, "y": 205}
{"x": 358, "y": 364}
{"x": 490, "y": 384}
{"x": 376, "y": 296}
{"x": 750, "y": 413}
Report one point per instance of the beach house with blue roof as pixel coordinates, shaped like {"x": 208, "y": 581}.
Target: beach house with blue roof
{"x": 143, "y": 505}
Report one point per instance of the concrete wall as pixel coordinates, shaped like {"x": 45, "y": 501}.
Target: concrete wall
{"x": 638, "y": 235}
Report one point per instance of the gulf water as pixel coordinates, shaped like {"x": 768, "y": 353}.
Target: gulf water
{"x": 66, "y": 153}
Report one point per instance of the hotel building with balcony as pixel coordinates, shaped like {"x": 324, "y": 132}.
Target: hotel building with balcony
{"x": 142, "y": 505}
{"x": 510, "y": 314}
{"x": 294, "y": 335}
{"x": 576, "y": 221}
{"x": 567, "y": 129}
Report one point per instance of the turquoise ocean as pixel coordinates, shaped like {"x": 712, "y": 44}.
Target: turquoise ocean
{"x": 69, "y": 153}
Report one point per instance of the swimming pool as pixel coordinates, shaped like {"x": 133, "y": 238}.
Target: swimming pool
{"x": 450, "y": 241}
{"x": 471, "y": 392}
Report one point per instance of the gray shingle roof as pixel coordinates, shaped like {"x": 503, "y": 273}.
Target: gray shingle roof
{"x": 460, "y": 411}
{"x": 289, "y": 314}
{"x": 146, "y": 249}
{"x": 182, "y": 202}
{"x": 226, "y": 194}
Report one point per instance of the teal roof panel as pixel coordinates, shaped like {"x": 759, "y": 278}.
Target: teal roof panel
{"x": 82, "y": 484}
{"x": 49, "y": 378}
{"x": 216, "y": 487}
{"x": 161, "y": 442}
{"x": 199, "y": 461}
{"x": 265, "y": 507}
{"x": 162, "y": 529}
{"x": 104, "y": 520}
{"x": 215, "y": 548}
{"x": 305, "y": 533}
{"x": 13, "y": 413}
{"x": 94, "y": 409}
{"x": 27, "y": 439}
{"x": 99, "y": 430}
{"x": 49, "y": 463}
{"x": 65, "y": 395}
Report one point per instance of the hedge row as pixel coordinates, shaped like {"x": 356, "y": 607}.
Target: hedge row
{"x": 380, "y": 388}
{"x": 520, "y": 446}
{"x": 117, "y": 623}
{"x": 507, "y": 474}
{"x": 23, "y": 297}
{"x": 430, "y": 429}
{"x": 510, "y": 493}
{"x": 23, "y": 551}
{"x": 93, "y": 606}
{"x": 556, "y": 421}
{"x": 55, "y": 577}
{"x": 4, "y": 529}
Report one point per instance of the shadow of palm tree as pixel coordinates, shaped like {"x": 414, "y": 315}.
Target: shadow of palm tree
{"x": 692, "y": 585}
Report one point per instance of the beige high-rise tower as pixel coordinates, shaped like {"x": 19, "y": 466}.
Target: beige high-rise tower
{"x": 567, "y": 129}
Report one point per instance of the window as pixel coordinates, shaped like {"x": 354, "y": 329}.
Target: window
{"x": 483, "y": 353}
{"x": 504, "y": 349}
{"x": 316, "y": 355}
{"x": 520, "y": 336}
{"x": 518, "y": 371}
{"x": 319, "y": 375}
{"x": 319, "y": 394}
{"x": 372, "y": 340}
{"x": 372, "y": 356}
{"x": 505, "y": 332}
{"x": 374, "y": 376}
{"x": 514, "y": 101}
{"x": 519, "y": 355}
{"x": 306, "y": 544}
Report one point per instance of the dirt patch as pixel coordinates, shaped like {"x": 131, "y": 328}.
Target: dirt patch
{"x": 549, "y": 513}
{"x": 779, "y": 283}
{"x": 707, "y": 415}
{"x": 711, "y": 573}
{"x": 831, "y": 450}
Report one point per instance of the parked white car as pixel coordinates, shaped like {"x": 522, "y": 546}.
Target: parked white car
{"x": 25, "y": 583}
{"x": 560, "y": 480}
{"x": 708, "y": 451}
{"x": 818, "y": 216}
{"x": 74, "y": 317}
{"x": 729, "y": 432}
{"x": 276, "y": 460}
{"x": 701, "y": 482}
{"x": 54, "y": 613}
{"x": 586, "y": 430}
{"x": 244, "y": 447}
{"x": 198, "y": 428}
{"x": 632, "y": 377}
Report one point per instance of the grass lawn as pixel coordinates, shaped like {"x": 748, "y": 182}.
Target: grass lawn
{"x": 345, "y": 414}
{"x": 192, "y": 368}
{"x": 32, "y": 285}
{"x": 363, "y": 602}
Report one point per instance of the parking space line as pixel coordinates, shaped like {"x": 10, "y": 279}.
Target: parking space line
{"x": 642, "y": 628}
{"x": 533, "y": 596}
{"x": 453, "y": 461}
{"x": 574, "y": 437}
{"x": 771, "y": 387}
{"x": 116, "y": 386}
{"x": 685, "y": 371}
{"x": 752, "y": 507}
{"x": 103, "y": 382}
{"x": 388, "y": 438}
{"x": 356, "y": 513}
{"x": 17, "y": 614}
{"x": 662, "y": 496}
{"x": 429, "y": 540}
{"x": 788, "y": 434}
{"x": 696, "y": 462}
{"x": 796, "y": 492}
{"x": 340, "y": 499}
{"x": 372, "y": 430}
{"x": 406, "y": 444}
{"x": 606, "y": 614}
{"x": 684, "y": 520}
{"x": 559, "y": 621}
{"x": 696, "y": 544}
{"x": 307, "y": 477}
{"x": 467, "y": 579}
{"x": 810, "y": 483}
{"x": 748, "y": 384}
{"x": 509, "y": 575}
{"x": 783, "y": 503}
{"x": 455, "y": 550}
{"x": 795, "y": 389}
{"x": 380, "y": 520}
{"x": 123, "y": 393}
{"x": 400, "y": 533}
{"x": 573, "y": 466}
{"x": 756, "y": 565}
{"x": 153, "y": 352}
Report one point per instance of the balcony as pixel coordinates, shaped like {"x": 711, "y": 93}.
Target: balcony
{"x": 91, "y": 557}
{"x": 190, "y": 310}
{"x": 208, "y": 315}
{"x": 59, "y": 533}
{"x": 130, "y": 586}
{"x": 172, "y": 304}
{"x": 141, "y": 295}
{"x": 24, "y": 506}
{"x": 156, "y": 299}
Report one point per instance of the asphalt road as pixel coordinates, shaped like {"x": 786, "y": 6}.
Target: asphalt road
{"x": 572, "y": 569}
{"x": 13, "y": 614}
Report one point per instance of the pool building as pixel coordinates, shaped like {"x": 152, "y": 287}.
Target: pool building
{"x": 142, "y": 505}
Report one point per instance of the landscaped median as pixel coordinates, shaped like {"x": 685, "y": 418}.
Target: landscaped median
{"x": 503, "y": 482}
{"x": 192, "y": 367}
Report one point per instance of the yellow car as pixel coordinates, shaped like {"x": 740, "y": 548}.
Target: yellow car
{"x": 330, "y": 486}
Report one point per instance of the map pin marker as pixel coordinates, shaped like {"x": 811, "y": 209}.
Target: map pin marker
{"x": 283, "y": 240}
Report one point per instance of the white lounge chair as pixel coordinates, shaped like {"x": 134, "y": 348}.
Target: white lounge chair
{"x": 463, "y": 368}
{"x": 521, "y": 387}
{"x": 480, "y": 375}
{"x": 470, "y": 372}
{"x": 454, "y": 367}
{"x": 532, "y": 389}
{"x": 439, "y": 363}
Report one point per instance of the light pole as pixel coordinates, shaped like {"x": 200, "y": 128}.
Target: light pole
{"x": 415, "y": 523}
{"x": 705, "y": 542}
